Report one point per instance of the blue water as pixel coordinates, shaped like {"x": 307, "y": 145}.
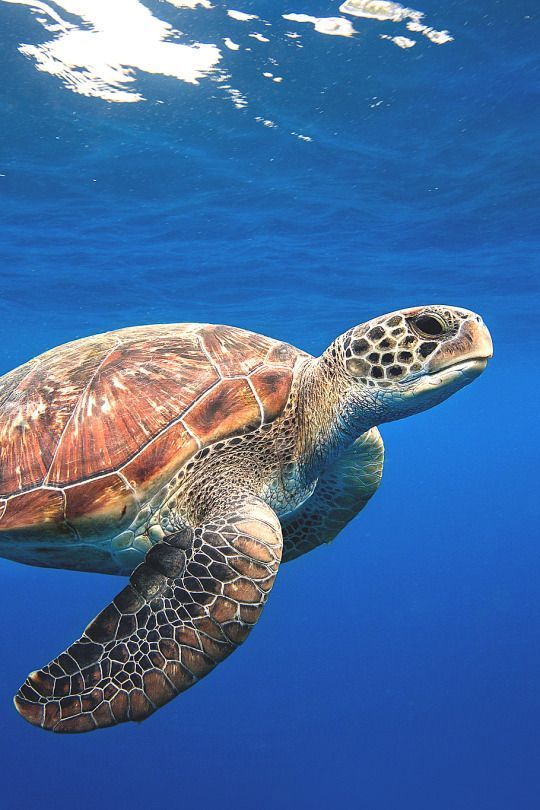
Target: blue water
{"x": 397, "y": 668}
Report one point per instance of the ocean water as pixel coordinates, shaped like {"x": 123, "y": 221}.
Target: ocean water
{"x": 398, "y": 667}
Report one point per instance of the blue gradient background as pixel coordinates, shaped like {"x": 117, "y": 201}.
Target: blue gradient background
{"x": 399, "y": 667}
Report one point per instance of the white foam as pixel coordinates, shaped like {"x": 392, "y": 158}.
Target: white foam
{"x": 45, "y": 9}
{"x": 266, "y": 122}
{"x": 98, "y": 56}
{"x": 379, "y": 10}
{"x": 388, "y": 11}
{"x": 97, "y": 47}
{"x": 333, "y": 26}
{"x": 190, "y": 3}
{"x": 237, "y": 98}
{"x": 241, "y": 16}
{"x": 438, "y": 37}
{"x": 401, "y": 42}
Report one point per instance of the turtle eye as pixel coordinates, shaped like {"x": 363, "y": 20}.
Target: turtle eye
{"x": 429, "y": 325}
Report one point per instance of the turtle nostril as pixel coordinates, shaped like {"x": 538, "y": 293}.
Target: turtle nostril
{"x": 429, "y": 325}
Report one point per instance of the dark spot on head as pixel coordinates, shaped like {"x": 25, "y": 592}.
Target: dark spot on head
{"x": 395, "y": 320}
{"x": 348, "y": 353}
{"x": 399, "y": 331}
{"x": 395, "y": 371}
{"x": 359, "y": 346}
{"x": 416, "y": 367}
{"x": 377, "y": 372}
{"x": 405, "y": 356}
{"x": 387, "y": 343}
{"x": 426, "y": 348}
{"x": 374, "y": 357}
{"x": 386, "y": 359}
{"x": 376, "y": 333}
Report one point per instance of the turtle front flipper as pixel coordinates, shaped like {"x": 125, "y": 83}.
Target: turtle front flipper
{"x": 187, "y": 607}
{"x": 343, "y": 489}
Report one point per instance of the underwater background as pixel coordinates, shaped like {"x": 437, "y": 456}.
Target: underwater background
{"x": 398, "y": 667}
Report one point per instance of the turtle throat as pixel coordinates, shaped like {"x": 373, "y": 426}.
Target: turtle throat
{"x": 329, "y": 418}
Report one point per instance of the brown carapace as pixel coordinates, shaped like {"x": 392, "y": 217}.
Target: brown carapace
{"x": 91, "y": 430}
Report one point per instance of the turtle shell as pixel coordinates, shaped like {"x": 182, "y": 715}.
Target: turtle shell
{"x": 91, "y": 430}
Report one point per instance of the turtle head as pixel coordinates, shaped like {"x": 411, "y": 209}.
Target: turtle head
{"x": 408, "y": 361}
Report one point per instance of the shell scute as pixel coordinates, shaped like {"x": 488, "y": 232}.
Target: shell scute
{"x": 138, "y": 390}
{"x": 272, "y": 386}
{"x": 39, "y": 512}
{"x": 157, "y": 462}
{"x": 283, "y": 354}
{"x": 232, "y": 353}
{"x": 228, "y": 409}
{"x": 100, "y": 506}
{"x": 38, "y": 400}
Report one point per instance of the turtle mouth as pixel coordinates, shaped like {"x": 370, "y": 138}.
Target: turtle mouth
{"x": 461, "y": 373}
{"x": 474, "y": 365}
{"x": 466, "y": 370}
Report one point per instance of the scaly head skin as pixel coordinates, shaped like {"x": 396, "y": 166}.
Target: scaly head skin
{"x": 411, "y": 360}
{"x": 388, "y": 368}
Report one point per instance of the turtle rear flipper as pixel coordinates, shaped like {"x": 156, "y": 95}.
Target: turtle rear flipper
{"x": 188, "y": 606}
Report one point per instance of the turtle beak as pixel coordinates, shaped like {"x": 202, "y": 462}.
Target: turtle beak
{"x": 470, "y": 349}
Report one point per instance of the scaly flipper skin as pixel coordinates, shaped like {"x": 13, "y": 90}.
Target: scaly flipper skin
{"x": 188, "y": 606}
{"x": 341, "y": 492}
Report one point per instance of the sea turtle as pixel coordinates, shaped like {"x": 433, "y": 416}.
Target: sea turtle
{"x": 196, "y": 458}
